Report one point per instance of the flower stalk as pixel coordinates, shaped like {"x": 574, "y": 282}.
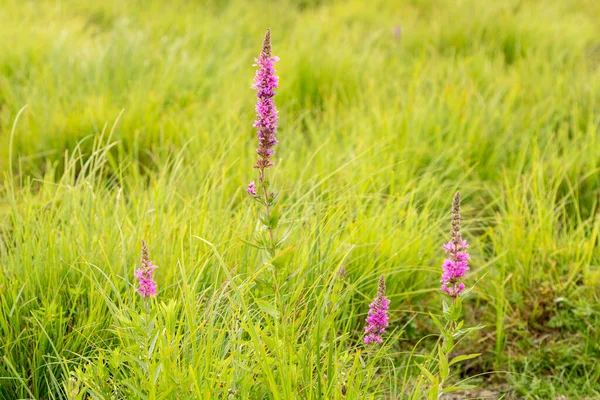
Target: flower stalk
{"x": 265, "y": 83}
{"x": 457, "y": 263}
{"x": 377, "y": 319}
{"x": 145, "y": 275}
{"x": 454, "y": 268}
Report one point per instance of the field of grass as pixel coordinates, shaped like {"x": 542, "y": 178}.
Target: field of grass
{"x": 138, "y": 125}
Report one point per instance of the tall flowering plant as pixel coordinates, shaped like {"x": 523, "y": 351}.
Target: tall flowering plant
{"x": 454, "y": 268}
{"x": 377, "y": 318}
{"x": 457, "y": 263}
{"x": 265, "y": 83}
{"x": 145, "y": 276}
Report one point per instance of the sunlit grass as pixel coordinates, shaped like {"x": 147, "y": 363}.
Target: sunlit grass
{"x": 139, "y": 126}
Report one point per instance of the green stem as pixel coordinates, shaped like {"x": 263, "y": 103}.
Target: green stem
{"x": 452, "y": 322}
{"x": 267, "y": 209}
{"x": 152, "y": 390}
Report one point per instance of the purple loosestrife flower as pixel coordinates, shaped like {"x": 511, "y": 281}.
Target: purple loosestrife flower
{"x": 377, "y": 320}
{"x": 265, "y": 82}
{"x": 251, "y": 189}
{"x": 144, "y": 274}
{"x": 457, "y": 263}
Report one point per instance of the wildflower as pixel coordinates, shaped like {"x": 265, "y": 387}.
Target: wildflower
{"x": 457, "y": 263}
{"x": 251, "y": 189}
{"x": 377, "y": 320}
{"x": 144, "y": 274}
{"x": 265, "y": 82}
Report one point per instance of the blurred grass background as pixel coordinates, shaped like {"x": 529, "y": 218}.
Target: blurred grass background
{"x": 139, "y": 125}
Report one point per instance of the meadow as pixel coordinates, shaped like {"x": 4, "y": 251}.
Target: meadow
{"x": 130, "y": 121}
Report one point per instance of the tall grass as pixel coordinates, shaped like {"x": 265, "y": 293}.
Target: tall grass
{"x": 139, "y": 126}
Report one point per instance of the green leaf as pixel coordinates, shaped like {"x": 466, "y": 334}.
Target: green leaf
{"x": 456, "y": 309}
{"x": 459, "y": 387}
{"x": 255, "y": 245}
{"x": 267, "y": 308}
{"x": 466, "y": 331}
{"x": 285, "y": 236}
{"x": 437, "y": 323}
{"x": 271, "y": 343}
{"x": 275, "y": 215}
{"x": 427, "y": 374}
{"x": 434, "y": 390}
{"x": 464, "y": 357}
{"x": 270, "y": 221}
{"x": 283, "y": 257}
{"x": 266, "y": 221}
{"x": 444, "y": 369}
{"x": 426, "y": 357}
{"x": 448, "y": 344}
{"x": 152, "y": 345}
{"x": 446, "y": 310}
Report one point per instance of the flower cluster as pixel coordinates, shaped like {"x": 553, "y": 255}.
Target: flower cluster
{"x": 377, "y": 319}
{"x": 252, "y": 189}
{"x": 457, "y": 263}
{"x": 265, "y": 82}
{"x": 144, "y": 274}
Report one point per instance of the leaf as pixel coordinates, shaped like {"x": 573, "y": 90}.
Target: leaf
{"x": 448, "y": 344}
{"x": 456, "y": 309}
{"x": 464, "y": 357}
{"x": 270, "y": 221}
{"x": 434, "y": 390}
{"x": 446, "y": 310}
{"x": 283, "y": 257}
{"x": 255, "y": 245}
{"x": 444, "y": 369}
{"x": 265, "y": 220}
{"x": 459, "y": 387}
{"x": 152, "y": 345}
{"x": 284, "y": 237}
{"x": 157, "y": 373}
{"x": 427, "y": 374}
{"x": 267, "y": 308}
{"x": 450, "y": 389}
{"x": 271, "y": 343}
{"x": 437, "y": 323}
{"x": 466, "y": 331}
{"x": 361, "y": 360}
{"x": 426, "y": 357}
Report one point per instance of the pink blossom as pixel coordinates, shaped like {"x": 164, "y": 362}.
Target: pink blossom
{"x": 251, "y": 189}
{"x": 144, "y": 274}
{"x": 457, "y": 263}
{"x": 265, "y": 83}
{"x": 377, "y": 319}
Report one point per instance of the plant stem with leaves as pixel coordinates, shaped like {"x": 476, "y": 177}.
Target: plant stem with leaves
{"x": 452, "y": 331}
{"x": 265, "y": 83}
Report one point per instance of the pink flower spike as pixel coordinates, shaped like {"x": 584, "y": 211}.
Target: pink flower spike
{"x": 377, "y": 319}
{"x": 251, "y": 189}
{"x": 457, "y": 264}
{"x": 144, "y": 274}
{"x": 265, "y": 83}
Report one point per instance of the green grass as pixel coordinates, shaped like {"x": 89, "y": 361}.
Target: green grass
{"x": 139, "y": 126}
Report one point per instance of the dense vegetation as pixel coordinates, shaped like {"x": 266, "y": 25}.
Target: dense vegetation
{"x": 138, "y": 125}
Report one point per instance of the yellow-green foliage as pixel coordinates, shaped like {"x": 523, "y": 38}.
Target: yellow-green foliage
{"x": 139, "y": 126}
